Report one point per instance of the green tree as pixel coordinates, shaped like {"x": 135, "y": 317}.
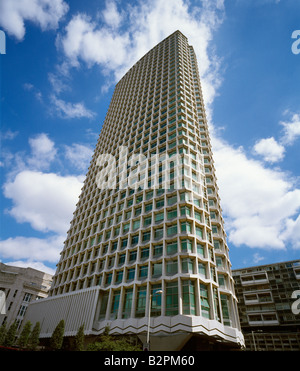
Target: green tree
{"x": 3, "y": 332}
{"x": 11, "y": 335}
{"x": 57, "y": 337}
{"x": 79, "y": 339}
{"x": 113, "y": 343}
{"x": 33, "y": 340}
{"x": 24, "y": 336}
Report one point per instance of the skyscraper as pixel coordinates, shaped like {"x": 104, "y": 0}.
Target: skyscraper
{"x": 146, "y": 251}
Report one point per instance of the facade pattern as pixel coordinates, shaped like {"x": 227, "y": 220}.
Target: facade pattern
{"x": 148, "y": 224}
{"x": 269, "y": 316}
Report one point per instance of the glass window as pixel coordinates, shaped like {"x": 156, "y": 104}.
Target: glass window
{"x": 157, "y": 269}
{"x": 134, "y": 240}
{"x": 202, "y": 269}
{"x": 172, "y": 214}
{"x": 171, "y": 230}
{"x": 143, "y": 271}
{"x": 130, "y": 274}
{"x": 147, "y": 221}
{"x": 157, "y": 250}
{"x": 172, "y": 248}
{"x": 115, "y": 305}
{"x": 159, "y": 217}
{"x": 188, "y": 297}
{"x": 172, "y": 299}
{"x": 204, "y": 301}
{"x": 186, "y": 227}
{"x": 141, "y": 301}
{"x": 156, "y": 301}
{"x": 186, "y": 246}
{"x": 171, "y": 267}
{"x": 187, "y": 265}
{"x": 127, "y": 303}
{"x": 158, "y": 233}
{"x": 145, "y": 253}
{"x": 146, "y": 236}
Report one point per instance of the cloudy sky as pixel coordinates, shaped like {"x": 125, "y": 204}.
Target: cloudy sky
{"x": 63, "y": 58}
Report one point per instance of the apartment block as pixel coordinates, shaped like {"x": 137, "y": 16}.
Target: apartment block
{"x": 268, "y": 307}
{"x": 19, "y": 287}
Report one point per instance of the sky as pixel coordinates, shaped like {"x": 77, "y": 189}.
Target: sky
{"x": 62, "y": 61}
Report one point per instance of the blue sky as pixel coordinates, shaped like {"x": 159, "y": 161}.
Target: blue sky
{"x": 62, "y": 61}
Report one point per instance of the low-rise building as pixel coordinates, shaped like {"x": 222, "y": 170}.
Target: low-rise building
{"x": 269, "y": 314}
{"x": 19, "y": 287}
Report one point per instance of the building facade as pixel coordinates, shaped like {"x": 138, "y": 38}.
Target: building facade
{"x": 268, "y": 306}
{"x": 19, "y": 287}
{"x": 146, "y": 250}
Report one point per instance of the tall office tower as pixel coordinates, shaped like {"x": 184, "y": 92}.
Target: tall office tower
{"x": 146, "y": 250}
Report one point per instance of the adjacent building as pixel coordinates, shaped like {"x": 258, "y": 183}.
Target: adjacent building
{"x": 146, "y": 251}
{"x": 18, "y": 288}
{"x": 268, "y": 306}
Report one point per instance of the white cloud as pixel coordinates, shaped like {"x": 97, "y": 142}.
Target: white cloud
{"x": 71, "y": 110}
{"x": 79, "y": 155}
{"x": 291, "y": 129}
{"x": 44, "y": 13}
{"x": 257, "y": 202}
{"x": 46, "y": 201}
{"x": 269, "y": 149}
{"x": 43, "y": 151}
{"x": 31, "y": 249}
{"x": 148, "y": 23}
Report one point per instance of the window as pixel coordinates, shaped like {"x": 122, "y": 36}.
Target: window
{"x": 134, "y": 240}
{"x": 121, "y": 259}
{"x": 157, "y": 269}
{"x": 186, "y": 227}
{"x": 157, "y": 250}
{"x": 160, "y": 203}
{"x": 103, "y": 306}
{"x": 132, "y": 256}
{"x": 130, "y": 274}
{"x": 143, "y": 271}
{"x": 199, "y": 232}
{"x": 172, "y": 248}
{"x": 185, "y": 210}
{"x": 158, "y": 233}
{"x": 204, "y": 301}
{"x": 159, "y": 217}
{"x": 136, "y": 224}
{"x": 171, "y": 299}
{"x": 156, "y": 301}
{"x": 186, "y": 246}
{"x": 172, "y": 214}
{"x": 127, "y": 303}
{"x": 147, "y": 221}
{"x": 171, "y": 267}
{"x": 202, "y": 269}
{"x": 115, "y": 305}
{"x": 141, "y": 302}
{"x": 146, "y": 236}
{"x": 171, "y": 230}
{"x": 188, "y": 297}
{"x": 119, "y": 277}
{"x": 187, "y": 265}
{"x": 172, "y": 200}
{"x": 145, "y": 253}
{"x": 126, "y": 227}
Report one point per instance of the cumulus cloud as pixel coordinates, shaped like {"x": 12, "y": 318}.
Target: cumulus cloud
{"x": 79, "y": 155}
{"x": 260, "y": 205}
{"x": 269, "y": 149}
{"x": 46, "y": 201}
{"x": 44, "y": 13}
{"x": 69, "y": 110}
{"x": 291, "y": 129}
{"x": 116, "y": 50}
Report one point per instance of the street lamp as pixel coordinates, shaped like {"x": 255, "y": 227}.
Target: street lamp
{"x": 149, "y": 315}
